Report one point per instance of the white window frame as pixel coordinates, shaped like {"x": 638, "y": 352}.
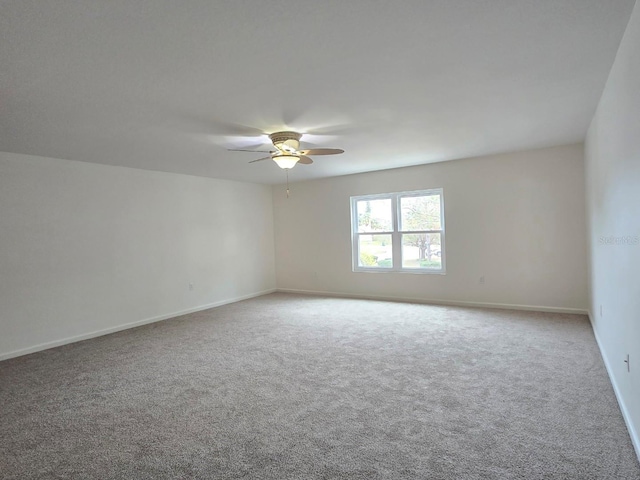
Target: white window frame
{"x": 396, "y": 233}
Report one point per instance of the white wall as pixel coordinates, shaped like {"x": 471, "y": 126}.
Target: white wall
{"x": 613, "y": 209}
{"x": 517, "y": 219}
{"x": 86, "y": 248}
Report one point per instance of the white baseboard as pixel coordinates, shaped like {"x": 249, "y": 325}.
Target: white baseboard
{"x": 633, "y": 432}
{"x": 125, "y": 326}
{"x": 434, "y": 301}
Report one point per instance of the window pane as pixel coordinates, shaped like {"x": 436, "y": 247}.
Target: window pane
{"x": 374, "y": 215}
{"x": 421, "y": 251}
{"x": 375, "y": 251}
{"x": 420, "y": 213}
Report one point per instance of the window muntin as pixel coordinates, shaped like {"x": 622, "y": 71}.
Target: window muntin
{"x": 398, "y": 232}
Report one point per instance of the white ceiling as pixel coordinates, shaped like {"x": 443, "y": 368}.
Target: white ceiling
{"x": 170, "y": 85}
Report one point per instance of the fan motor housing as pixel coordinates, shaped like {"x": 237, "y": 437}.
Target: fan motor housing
{"x": 282, "y": 137}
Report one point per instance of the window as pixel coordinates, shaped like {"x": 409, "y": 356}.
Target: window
{"x": 398, "y": 232}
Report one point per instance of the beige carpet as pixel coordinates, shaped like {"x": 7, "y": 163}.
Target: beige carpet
{"x": 297, "y": 387}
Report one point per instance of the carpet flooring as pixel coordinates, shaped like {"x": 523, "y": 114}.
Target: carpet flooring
{"x": 299, "y": 387}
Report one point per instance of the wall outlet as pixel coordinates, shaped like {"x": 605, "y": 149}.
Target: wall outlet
{"x": 191, "y": 286}
{"x": 482, "y": 279}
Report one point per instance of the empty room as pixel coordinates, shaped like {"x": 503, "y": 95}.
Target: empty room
{"x": 320, "y": 240}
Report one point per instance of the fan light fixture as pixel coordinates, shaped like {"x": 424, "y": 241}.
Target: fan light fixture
{"x": 286, "y": 161}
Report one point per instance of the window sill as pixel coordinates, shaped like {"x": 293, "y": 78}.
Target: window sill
{"x": 413, "y": 271}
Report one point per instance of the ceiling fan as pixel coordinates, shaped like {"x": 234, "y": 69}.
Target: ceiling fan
{"x": 287, "y": 151}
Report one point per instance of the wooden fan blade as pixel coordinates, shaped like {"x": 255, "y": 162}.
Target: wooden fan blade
{"x": 322, "y": 151}
{"x": 304, "y": 160}
{"x": 247, "y": 150}
{"x": 260, "y": 159}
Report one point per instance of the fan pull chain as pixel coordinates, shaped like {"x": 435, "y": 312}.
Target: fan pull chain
{"x": 287, "y": 170}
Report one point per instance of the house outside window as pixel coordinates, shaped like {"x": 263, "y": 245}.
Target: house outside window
{"x": 398, "y": 232}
